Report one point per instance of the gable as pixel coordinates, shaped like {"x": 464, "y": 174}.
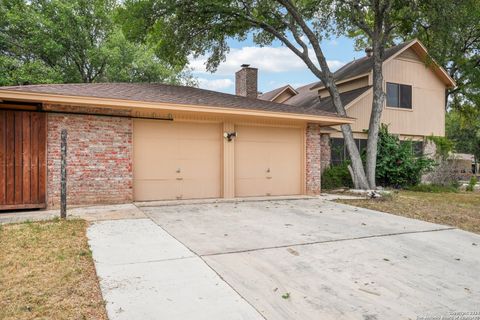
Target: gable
{"x": 409, "y": 54}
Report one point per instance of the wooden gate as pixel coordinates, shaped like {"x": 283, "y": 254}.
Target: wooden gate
{"x": 22, "y": 160}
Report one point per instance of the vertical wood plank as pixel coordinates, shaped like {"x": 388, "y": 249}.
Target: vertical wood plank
{"x": 42, "y": 157}
{"x": 3, "y": 176}
{"x": 18, "y": 158}
{"x": 34, "y": 159}
{"x": 26, "y": 156}
{"x": 10, "y": 156}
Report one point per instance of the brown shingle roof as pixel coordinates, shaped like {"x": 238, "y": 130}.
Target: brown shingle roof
{"x": 361, "y": 66}
{"x": 163, "y": 93}
{"x": 269, "y": 95}
{"x": 308, "y": 100}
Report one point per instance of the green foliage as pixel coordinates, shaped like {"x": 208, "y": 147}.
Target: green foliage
{"x": 181, "y": 28}
{"x": 337, "y": 177}
{"x": 397, "y": 166}
{"x": 73, "y": 41}
{"x": 463, "y": 128}
{"x": 433, "y": 188}
{"x": 444, "y": 146}
{"x": 455, "y": 45}
{"x": 472, "y": 183}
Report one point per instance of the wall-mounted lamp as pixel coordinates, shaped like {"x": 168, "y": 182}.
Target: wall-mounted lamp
{"x": 230, "y": 135}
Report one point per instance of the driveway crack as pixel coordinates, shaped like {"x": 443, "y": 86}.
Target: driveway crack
{"x": 326, "y": 241}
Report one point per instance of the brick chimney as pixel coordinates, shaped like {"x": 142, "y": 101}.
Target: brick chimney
{"x": 369, "y": 52}
{"x": 246, "y": 81}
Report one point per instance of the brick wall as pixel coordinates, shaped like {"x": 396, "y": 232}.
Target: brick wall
{"x": 246, "y": 82}
{"x": 99, "y": 159}
{"x": 325, "y": 151}
{"x": 313, "y": 159}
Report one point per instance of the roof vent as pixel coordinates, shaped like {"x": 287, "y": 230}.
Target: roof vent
{"x": 369, "y": 52}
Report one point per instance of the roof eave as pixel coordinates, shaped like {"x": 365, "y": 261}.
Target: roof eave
{"x": 130, "y": 104}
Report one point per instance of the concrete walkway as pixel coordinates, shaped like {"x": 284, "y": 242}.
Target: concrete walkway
{"x": 146, "y": 274}
{"x": 91, "y": 213}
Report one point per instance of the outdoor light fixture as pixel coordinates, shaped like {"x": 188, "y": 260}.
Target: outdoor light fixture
{"x": 230, "y": 135}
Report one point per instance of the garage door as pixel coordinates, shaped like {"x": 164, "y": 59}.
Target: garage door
{"x": 268, "y": 161}
{"x": 175, "y": 160}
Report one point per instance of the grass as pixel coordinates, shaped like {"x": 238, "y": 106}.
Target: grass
{"x": 459, "y": 209}
{"x": 47, "y": 272}
{"x": 433, "y": 188}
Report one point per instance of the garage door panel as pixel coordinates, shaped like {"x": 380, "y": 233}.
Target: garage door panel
{"x": 249, "y": 187}
{"x": 250, "y": 167}
{"x": 200, "y": 149}
{"x": 176, "y": 160}
{"x": 147, "y": 190}
{"x": 200, "y": 188}
{"x": 268, "y": 161}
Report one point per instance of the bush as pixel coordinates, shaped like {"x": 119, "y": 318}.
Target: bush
{"x": 444, "y": 173}
{"x": 472, "y": 183}
{"x": 397, "y": 165}
{"x": 337, "y": 176}
{"x": 433, "y": 188}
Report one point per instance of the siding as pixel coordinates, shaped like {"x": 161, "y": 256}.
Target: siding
{"x": 428, "y": 98}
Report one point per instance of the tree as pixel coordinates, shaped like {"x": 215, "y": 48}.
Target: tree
{"x": 45, "y": 41}
{"x": 463, "y": 128}
{"x": 454, "y": 45}
{"x": 373, "y": 22}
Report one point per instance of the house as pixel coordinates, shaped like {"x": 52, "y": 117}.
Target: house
{"x": 414, "y": 109}
{"x": 142, "y": 142}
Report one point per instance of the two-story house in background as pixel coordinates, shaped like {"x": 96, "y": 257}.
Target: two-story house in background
{"x": 415, "y": 87}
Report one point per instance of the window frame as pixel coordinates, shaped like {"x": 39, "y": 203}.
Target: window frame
{"x": 399, "y": 96}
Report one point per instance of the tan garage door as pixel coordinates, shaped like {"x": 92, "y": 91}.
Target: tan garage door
{"x": 268, "y": 161}
{"x": 176, "y": 160}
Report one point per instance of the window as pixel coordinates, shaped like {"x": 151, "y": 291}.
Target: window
{"x": 416, "y": 147}
{"x": 339, "y": 153}
{"x": 399, "y": 95}
{"x": 337, "y": 148}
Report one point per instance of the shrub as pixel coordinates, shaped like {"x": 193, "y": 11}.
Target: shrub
{"x": 444, "y": 173}
{"x": 397, "y": 165}
{"x": 433, "y": 188}
{"x": 444, "y": 146}
{"x": 337, "y": 176}
{"x": 472, "y": 183}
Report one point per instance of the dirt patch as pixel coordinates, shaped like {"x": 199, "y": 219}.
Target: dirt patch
{"x": 455, "y": 209}
{"x": 47, "y": 272}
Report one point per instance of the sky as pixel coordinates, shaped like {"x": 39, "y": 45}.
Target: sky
{"x": 277, "y": 65}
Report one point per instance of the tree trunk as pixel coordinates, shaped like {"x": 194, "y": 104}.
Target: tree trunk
{"x": 359, "y": 178}
{"x": 377, "y": 107}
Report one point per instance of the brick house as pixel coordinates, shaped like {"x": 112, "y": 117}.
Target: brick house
{"x": 142, "y": 142}
{"x": 414, "y": 108}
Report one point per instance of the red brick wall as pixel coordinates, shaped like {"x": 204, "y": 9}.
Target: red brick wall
{"x": 99, "y": 159}
{"x": 313, "y": 159}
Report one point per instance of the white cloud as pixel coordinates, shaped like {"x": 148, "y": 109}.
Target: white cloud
{"x": 266, "y": 59}
{"x": 215, "y": 84}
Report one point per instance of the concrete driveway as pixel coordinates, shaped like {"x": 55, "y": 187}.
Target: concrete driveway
{"x": 314, "y": 259}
